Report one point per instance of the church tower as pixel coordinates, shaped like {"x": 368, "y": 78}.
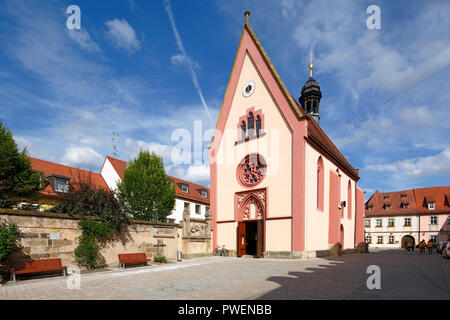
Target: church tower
{"x": 311, "y": 95}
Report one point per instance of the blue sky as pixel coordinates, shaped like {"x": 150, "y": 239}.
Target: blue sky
{"x": 146, "y": 68}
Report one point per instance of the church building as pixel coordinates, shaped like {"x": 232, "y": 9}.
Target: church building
{"x": 279, "y": 186}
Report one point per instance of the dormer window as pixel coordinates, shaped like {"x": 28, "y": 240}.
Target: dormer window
{"x": 387, "y": 207}
{"x": 370, "y": 208}
{"x": 404, "y": 206}
{"x": 58, "y": 183}
{"x": 204, "y": 194}
{"x": 431, "y": 205}
{"x": 403, "y": 196}
{"x": 386, "y": 197}
{"x": 61, "y": 185}
{"x": 185, "y": 188}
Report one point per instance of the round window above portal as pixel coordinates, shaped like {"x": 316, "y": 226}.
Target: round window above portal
{"x": 251, "y": 171}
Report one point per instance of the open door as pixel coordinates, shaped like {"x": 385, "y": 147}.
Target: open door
{"x": 260, "y": 239}
{"x": 241, "y": 242}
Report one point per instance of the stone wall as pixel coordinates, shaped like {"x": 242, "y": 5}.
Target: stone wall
{"x": 54, "y": 235}
{"x": 196, "y": 236}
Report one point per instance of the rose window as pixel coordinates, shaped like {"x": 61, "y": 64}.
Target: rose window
{"x": 252, "y": 170}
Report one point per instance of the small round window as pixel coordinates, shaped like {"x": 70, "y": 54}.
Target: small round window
{"x": 248, "y": 89}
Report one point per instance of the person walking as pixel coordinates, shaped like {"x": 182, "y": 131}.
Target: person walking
{"x": 409, "y": 246}
{"x": 422, "y": 245}
{"x": 430, "y": 246}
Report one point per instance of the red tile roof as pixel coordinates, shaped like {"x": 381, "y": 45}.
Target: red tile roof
{"x": 194, "y": 189}
{"x": 75, "y": 175}
{"x": 417, "y": 200}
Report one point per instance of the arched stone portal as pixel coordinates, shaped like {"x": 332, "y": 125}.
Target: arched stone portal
{"x": 250, "y": 212}
{"x": 406, "y": 239}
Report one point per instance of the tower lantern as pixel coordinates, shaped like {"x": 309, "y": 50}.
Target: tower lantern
{"x": 311, "y": 95}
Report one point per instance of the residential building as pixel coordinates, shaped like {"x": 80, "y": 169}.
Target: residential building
{"x": 57, "y": 179}
{"x": 188, "y": 195}
{"x": 279, "y": 186}
{"x": 392, "y": 218}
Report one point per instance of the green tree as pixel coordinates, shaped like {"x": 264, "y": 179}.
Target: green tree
{"x": 85, "y": 201}
{"x": 17, "y": 180}
{"x": 145, "y": 191}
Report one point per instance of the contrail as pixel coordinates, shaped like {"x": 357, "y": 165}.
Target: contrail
{"x": 186, "y": 57}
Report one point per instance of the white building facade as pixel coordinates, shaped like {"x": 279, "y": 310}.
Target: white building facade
{"x": 189, "y": 195}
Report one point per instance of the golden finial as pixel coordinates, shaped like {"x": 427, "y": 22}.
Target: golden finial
{"x": 247, "y": 15}
{"x": 311, "y": 66}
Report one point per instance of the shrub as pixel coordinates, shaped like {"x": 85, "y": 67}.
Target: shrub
{"x": 8, "y": 240}
{"x": 161, "y": 259}
{"x": 85, "y": 201}
{"x": 94, "y": 234}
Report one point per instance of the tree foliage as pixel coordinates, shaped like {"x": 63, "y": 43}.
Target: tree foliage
{"x": 146, "y": 192}
{"x": 17, "y": 180}
{"x": 83, "y": 200}
{"x": 8, "y": 239}
{"x": 93, "y": 234}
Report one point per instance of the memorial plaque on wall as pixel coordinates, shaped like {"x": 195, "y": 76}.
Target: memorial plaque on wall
{"x": 54, "y": 236}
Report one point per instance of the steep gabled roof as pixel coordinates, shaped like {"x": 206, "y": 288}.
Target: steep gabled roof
{"x": 315, "y": 133}
{"x": 76, "y": 175}
{"x": 194, "y": 189}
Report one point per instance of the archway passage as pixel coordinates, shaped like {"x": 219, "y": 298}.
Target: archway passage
{"x": 407, "y": 239}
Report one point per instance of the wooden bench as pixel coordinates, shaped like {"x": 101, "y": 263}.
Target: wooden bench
{"x": 130, "y": 258}
{"x": 36, "y": 266}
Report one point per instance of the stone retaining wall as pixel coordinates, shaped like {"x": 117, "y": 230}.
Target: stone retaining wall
{"x": 54, "y": 235}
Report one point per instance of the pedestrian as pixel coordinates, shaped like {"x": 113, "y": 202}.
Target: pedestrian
{"x": 430, "y": 246}
{"x": 408, "y": 246}
{"x": 422, "y": 245}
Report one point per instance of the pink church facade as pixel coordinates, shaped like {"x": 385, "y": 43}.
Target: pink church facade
{"x": 279, "y": 186}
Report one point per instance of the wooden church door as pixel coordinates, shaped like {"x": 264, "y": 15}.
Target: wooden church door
{"x": 241, "y": 241}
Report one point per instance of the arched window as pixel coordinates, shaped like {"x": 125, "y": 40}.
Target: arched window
{"x": 258, "y": 125}
{"x": 315, "y": 106}
{"x": 243, "y": 130}
{"x": 308, "y": 106}
{"x": 349, "y": 200}
{"x": 320, "y": 184}
{"x": 251, "y": 124}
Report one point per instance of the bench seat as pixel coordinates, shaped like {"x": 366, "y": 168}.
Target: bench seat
{"x": 128, "y": 258}
{"x": 37, "y": 266}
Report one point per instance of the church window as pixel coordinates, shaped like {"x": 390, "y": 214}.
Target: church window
{"x": 243, "y": 130}
{"x": 258, "y": 125}
{"x": 251, "y": 171}
{"x": 349, "y": 200}
{"x": 320, "y": 184}
{"x": 251, "y": 125}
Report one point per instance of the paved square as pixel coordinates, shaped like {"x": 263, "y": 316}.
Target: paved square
{"x": 403, "y": 276}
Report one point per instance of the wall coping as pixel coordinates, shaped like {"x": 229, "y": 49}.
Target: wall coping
{"x": 43, "y": 214}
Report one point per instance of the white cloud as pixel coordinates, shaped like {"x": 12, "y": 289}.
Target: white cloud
{"x": 180, "y": 59}
{"x": 82, "y": 157}
{"x": 438, "y": 164}
{"x": 191, "y": 65}
{"x": 83, "y": 38}
{"x": 170, "y": 154}
{"x": 198, "y": 172}
{"x": 417, "y": 116}
{"x": 123, "y": 35}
